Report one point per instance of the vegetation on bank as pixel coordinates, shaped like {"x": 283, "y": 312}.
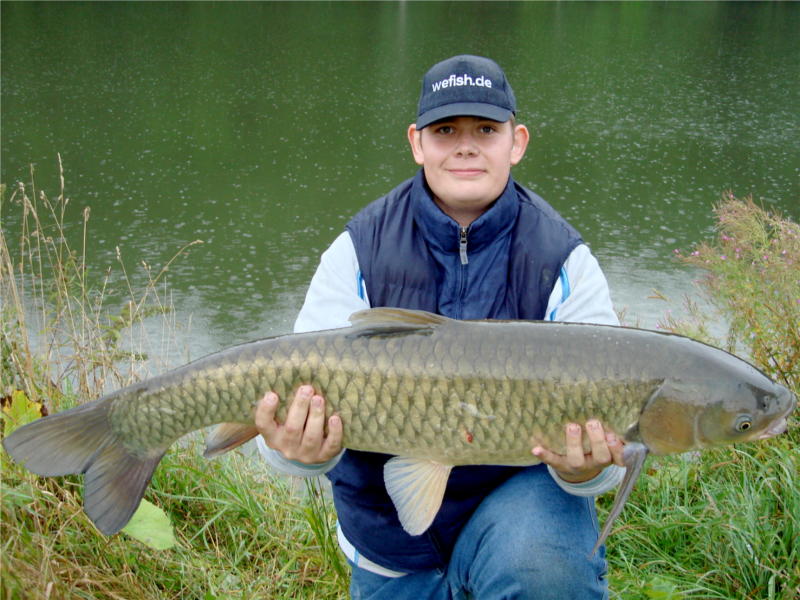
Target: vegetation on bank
{"x": 751, "y": 275}
{"x": 722, "y": 524}
{"x": 66, "y": 335}
{"x": 726, "y": 522}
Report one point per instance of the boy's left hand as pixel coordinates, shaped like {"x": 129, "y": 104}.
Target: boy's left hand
{"x": 574, "y": 466}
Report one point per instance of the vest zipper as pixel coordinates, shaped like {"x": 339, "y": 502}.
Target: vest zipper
{"x": 462, "y": 274}
{"x": 462, "y": 246}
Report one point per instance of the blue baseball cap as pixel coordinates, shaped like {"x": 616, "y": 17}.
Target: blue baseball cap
{"x": 465, "y": 85}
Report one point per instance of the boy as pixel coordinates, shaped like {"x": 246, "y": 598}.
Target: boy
{"x": 461, "y": 239}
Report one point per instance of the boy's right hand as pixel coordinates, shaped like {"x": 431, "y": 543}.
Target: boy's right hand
{"x": 302, "y": 437}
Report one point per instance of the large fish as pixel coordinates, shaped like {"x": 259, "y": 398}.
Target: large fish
{"x": 433, "y": 391}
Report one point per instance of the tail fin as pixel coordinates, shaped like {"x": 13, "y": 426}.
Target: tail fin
{"x": 80, "y": 440}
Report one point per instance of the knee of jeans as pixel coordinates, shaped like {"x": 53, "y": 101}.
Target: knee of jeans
{"x": 558, "y": 559}
{"x": 555, "y": 559}
{"x": 555, "y": 573}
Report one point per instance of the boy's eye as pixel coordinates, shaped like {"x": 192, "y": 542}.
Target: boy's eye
{"x": 488, "y": 129}
{"x": 444, "y": 129}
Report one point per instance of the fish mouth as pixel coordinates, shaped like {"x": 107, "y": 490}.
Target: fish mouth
{"x": 777, "y": 427}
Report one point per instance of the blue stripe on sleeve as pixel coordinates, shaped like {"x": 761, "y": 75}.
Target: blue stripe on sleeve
{"x": 360, "y": 283}
{"x": 565, "y": 291}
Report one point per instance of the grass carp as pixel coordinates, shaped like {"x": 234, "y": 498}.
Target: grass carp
{"x": 433, "y": 391}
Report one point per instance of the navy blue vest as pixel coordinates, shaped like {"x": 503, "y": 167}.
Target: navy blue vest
{"x": 412, "y": 255}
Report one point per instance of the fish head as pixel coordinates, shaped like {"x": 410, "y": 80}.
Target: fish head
{"x": 747, "y": 412}
{"x": 684, "y": 415}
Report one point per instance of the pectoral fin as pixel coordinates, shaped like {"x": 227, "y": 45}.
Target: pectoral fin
{"x": 416, "y": 487}
{"x": 634, "y": 456}
{"x": 227, "y": 436}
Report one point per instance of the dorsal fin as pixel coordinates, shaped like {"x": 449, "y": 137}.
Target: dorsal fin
{"x": 393, "y": 322}
{"x": 373, "y": 317}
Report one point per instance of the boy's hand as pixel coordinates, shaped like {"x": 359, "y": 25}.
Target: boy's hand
{"x": 574, "y": 466}
{"x": 302, "y": 437}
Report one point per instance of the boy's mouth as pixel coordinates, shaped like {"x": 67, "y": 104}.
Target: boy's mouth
{"x": 466, "y": 172}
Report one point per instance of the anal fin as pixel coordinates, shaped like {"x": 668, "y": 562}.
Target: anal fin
{"x": 227, "y": 436}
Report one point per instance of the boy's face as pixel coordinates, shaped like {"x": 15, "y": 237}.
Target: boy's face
{"x": 467, "y": 161}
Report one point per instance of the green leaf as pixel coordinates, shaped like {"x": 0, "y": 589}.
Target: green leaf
{"x": 150, "y": 525}
{"x": 658, "y": 588}
{"x": 19, "y": 412}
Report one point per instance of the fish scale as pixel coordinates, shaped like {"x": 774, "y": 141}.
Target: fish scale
{"x": 431, "y": 390}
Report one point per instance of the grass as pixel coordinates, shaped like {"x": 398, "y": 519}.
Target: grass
{"x": 721, "y": 524}
{"x": 242, "y": 533}
{"x": 725, "y": 524}
{"x": 87, "y": 336}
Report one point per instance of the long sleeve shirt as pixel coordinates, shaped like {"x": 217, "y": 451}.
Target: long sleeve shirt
{"x": 337, "y": 290}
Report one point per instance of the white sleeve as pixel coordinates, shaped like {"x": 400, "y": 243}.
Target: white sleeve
{"x": 607, "y": 479}
{"x": 291, "y": 467}
{"x": 581, "y": 292}
{"x": 336, "y": 290}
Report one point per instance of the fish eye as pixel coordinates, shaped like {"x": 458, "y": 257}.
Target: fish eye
{"x": 744, "y": 423}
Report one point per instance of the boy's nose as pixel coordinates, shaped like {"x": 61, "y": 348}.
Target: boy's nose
{"x": 466, "y": 146}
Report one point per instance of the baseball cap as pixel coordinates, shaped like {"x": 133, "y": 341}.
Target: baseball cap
{"x": 465, "y": 85}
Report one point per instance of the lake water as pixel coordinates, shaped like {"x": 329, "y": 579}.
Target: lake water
{"x": 260, "y": 128}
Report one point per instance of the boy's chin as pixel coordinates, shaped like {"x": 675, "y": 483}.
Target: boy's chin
{"x": 470, "y": 196}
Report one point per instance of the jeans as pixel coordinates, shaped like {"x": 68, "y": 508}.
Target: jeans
{"x": 527, "y": 540}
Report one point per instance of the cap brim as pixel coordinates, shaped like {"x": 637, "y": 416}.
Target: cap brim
{"x": 464, "y": 109}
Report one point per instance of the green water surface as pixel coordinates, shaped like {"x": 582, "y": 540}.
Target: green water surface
{"x": 260, "y": 128}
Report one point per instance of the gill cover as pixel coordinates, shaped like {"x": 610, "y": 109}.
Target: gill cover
{"x": 667, "y": 423}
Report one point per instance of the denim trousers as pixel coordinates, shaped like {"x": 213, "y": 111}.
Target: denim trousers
{"x": 528, "y": 539}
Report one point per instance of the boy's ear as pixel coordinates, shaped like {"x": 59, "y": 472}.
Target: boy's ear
{"x": 415, "y": 141}
{"x": 521, "y": 139}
